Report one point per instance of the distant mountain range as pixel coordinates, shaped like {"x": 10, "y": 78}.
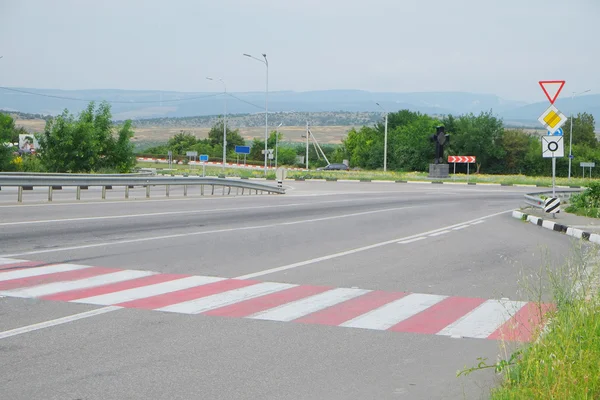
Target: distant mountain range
{"x": 136, "y": 105}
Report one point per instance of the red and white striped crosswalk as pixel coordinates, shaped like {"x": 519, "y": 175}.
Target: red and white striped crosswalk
{"x": 272, "y": 301}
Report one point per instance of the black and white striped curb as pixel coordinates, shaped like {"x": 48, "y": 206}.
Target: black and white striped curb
{"x": 554, "y": 226}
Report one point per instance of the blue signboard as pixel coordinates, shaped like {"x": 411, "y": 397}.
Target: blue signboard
{"x": 204, "y": 157}
{"x": 559, "y": 132}
{"x": 242, "y": 149}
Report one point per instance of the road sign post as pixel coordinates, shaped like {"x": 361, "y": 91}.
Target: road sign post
{"x": 192, "y": 155}
{"x": 245, "y": 150}
{"x": 203, "y": 159}
{"x": 462, "y": 160}
{"x": 553, "y": 120}
{"x": 589, "y": 165}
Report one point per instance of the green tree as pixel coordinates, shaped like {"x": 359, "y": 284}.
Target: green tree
{"x": 122, "y": 156}
{"x": 182, "y": 142}
{"x": 480, "y": 136}
{"x": 583, "y": 130}
{"x": 411, "y": 149}
{"x": 7, "y": 128}
{"x": 286, "y": 156}
{"x": 256, "y": 149}
{"x": 86, "y": 143}
{"x": 515, "y": 143}
{"x": 215, "y": 137}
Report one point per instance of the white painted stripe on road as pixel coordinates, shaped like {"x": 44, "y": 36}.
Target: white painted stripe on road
{"x": 458, "y": 228}
{"x": 55, "y": 322}
{"x": 166, "y": 213}
{"x": 348, "y": 215}
{"x": 360, "y": 249}
{"x": 226, "y": 298}
{"x": 484, "y": 320}
{"x": 188, "y": 234}
{"x": 439, "y": 233}
{"x": 37, "y": 271}
{"x": 480, "y": 221}
{"x": 309, "y": 305}
{"x": 390, "y": 314}
{"x": 4, "y": 261}
{"x": 59, "y": 287}
{"x": 148, "y": 290}
{"x": 412, "y": 240}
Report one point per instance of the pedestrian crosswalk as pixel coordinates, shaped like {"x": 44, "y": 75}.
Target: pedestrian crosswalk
{"x": 272, "y": 301}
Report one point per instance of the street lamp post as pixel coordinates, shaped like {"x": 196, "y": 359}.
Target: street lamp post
{"x": 385, "y": 139}
{"x": 266, "y": 62}
{"x": 224, "y": 122}
{"x": 573, "y": 94}
{"x": 276, "y": 142}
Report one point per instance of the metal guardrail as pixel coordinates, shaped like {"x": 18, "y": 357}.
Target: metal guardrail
{"x": 534, "y": 199}
{"x": 141, "y": 173}
{"x": 84, "y": 181}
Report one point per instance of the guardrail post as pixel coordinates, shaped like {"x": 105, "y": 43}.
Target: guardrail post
{"x": 167, "y": 190}
{"x": 78, "y": 193}
{"x": 242, "y": 191}
{"x": 229, "y": 191}
{"x": 20, "y": 194}
{"x": 127, "y": 191}
{"x": 212, "y": 190}
{"x": 184, "y": 190}
{"x": 148, "y": 191}
{"x": 103, "y": 192}
{"x": 49, "y": 193}
{"x": 201, "y": 190}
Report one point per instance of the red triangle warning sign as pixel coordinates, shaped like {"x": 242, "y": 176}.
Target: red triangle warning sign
{"x": 552, "y": 89}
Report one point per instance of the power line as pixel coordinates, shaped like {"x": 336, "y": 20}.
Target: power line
{"x": 109, "y": 101}
{"x": 244, "y": 101}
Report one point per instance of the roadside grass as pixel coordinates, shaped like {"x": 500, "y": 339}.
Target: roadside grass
{"x": 371, "y": 175}
{"x": 562, "y": 360}
{"x": 586, "y": 203}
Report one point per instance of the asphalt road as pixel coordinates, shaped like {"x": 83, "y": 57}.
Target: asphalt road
{"x": 340, "y": 265}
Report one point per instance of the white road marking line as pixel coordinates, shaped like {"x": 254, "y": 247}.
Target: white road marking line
{"x": 484, "y": 320}
{"x": 439, "y": 233}
{"x": 308, "y": 305}
{"x": 158, "y": 214}
{"x": 66, "y": 286}
{"x": 360, "y": 249}
{"x": 187, "y": 234}
{"x": 83, "y": 202}
{"x": 348, "y": 215}
{"x": 390, "y": 314}
{"x": 207, "y": 303}
{"x": 4, "y": 261}
{"x": 142, "y": 292}
{"x": 58, "y": 321}
{"x": 477, "y": 222}
{"x": 458, "y": 228}
{"x": 412, "y": 240}
{"x": 29, "y": 272}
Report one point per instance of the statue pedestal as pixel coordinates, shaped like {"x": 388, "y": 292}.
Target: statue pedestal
{"x": 439, "y": 171}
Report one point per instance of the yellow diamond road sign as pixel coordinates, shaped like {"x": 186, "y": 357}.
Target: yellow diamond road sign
{"x": 552, "y": 119}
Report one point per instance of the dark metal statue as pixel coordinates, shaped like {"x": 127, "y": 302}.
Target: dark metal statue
{"x": 441, "y": 139}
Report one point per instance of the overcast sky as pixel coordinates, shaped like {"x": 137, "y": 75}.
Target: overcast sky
{"x": 502, "y": 47}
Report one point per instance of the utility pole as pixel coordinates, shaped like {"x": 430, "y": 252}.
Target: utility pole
{"x": 307, "y": 133}
{"x": 276, "y": 142}
{"x": 385, "y": 138}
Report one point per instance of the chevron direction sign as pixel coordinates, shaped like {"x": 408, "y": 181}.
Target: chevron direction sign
{"x": 461, "y": 159}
